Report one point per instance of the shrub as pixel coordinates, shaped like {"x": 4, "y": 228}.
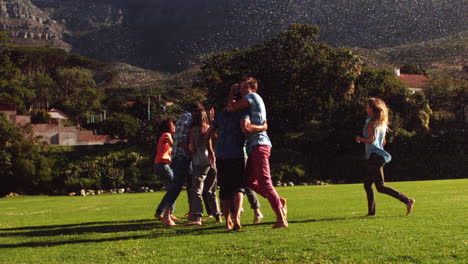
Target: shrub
{"x": 115, "y": 170}
{"x": 289, "y": 173}
{"x": 40, "y": 116}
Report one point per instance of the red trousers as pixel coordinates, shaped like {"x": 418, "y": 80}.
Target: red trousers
{"x": 259, "y": 178}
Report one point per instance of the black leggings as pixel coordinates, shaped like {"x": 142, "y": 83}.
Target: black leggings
{"x": 375, "y": 175}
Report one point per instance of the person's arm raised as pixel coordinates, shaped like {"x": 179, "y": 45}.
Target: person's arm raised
{"x": 233, "y": 105}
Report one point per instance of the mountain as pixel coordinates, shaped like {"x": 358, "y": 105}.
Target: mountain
{"x": 30, "y": 26}
{"x": 169, "y": 35}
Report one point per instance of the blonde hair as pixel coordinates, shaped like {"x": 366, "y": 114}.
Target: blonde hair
{"x": 252, "y": 83}
{"x": 380, "y": 110}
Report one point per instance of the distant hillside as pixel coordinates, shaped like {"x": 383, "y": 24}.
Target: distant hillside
{"x": 167, "y": 35}
{"x": 126, "y": 76}
{"x": 441, "y": 55}
{"x": 447, "y": 54}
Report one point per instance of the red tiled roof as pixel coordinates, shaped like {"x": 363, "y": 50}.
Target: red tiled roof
{"x": 7, "y": 108}
{"x": 413, "y": 80}
{"x": 128, "y": 103}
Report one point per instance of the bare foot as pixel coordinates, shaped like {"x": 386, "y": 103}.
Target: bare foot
{"x": 283, "y": 224}
{"x": 174, "y": 218}
{"x": 285, "y": 207}
{"x": 194, "y": 223}
{"x": 168, "y": 221}
{"x": 229, "y": 224}
{"x": 158, "y": 216}
{"x": 237, "y": 223}
{"x": 194, "y": 219}
{"x": 258, "y": 217}
{"x": 409, "y": 206}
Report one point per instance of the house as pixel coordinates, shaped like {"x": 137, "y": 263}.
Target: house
{"x": 415, "y": 82}
{"x": 57, "y": 114}
{"x": 55, "y": 133}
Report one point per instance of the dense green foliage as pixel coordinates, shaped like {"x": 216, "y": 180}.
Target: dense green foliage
{"x": 326, "y": 225}
{"x": 115, "y": 170}
{"x": 101, "y": 167}
{"x": 315, "y": 97}
{"x": 44, "y": 77}
{"x": 122, "y": 125}
{"x": 24, "y": 166}
{"x": 40, "y": 116}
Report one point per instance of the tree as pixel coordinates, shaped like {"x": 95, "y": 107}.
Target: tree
{"x": 44, "y": 88}
{"x": 23, "y": 164}
{"x": 40, "y": 116}
{"x": 300, "y": 80}
{"x": 78, "y": 92}
{"x": 447, "y": 98}
{"x": 122, "y": 125}
{"x": 315, "y": 97}
{"x": 12, "y": 91}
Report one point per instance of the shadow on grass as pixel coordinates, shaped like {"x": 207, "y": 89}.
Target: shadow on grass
{"x": 72, "y": 225}
{"x": 155, "y": 229}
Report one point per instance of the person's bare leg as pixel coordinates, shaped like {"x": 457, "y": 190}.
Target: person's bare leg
{"x": 166, "y": 219}
{"x": 258, "y": 216}
{"x": 285, "y": 207}
{"x": 281, "y": 221}
{"x": 238, "y": 199}
{"x": 225, "y": 208}
{"x": 409, "y": 206}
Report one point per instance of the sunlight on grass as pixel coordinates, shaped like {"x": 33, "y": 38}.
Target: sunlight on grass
{"x": 326, "y": 226}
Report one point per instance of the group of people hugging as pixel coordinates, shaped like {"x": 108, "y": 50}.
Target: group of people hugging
{"x": 232, "y": 149}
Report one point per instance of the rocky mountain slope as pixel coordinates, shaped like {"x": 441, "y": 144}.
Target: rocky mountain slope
{"x": 168, "y": 35}
{"x": 29, "y": 25}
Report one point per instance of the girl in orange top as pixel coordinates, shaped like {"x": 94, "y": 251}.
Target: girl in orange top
{"x": 162, "y": 168}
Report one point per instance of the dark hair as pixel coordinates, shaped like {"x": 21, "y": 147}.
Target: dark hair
{"x": 200, "y": 118}
{"x": 193, "y": 107}
{"x": 251, "y": 82}
{"x": 164, "y": 127}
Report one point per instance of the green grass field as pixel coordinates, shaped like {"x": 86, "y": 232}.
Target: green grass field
{"x": 326, "y": 226}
